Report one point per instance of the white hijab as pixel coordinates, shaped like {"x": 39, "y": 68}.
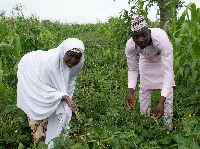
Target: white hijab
{"x": 43, "y": 79}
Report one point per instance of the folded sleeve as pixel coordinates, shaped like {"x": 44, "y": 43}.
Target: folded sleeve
{"x": 167, "y": 66}
{"x": 131, "y": 55}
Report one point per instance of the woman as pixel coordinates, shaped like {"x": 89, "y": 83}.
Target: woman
{"x": 46, "y": 83}
{"x": 155, "y": 66}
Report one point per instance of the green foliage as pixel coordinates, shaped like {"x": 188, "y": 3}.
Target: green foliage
{"x": 13, "y": 122}
{"x": 103, "y": 120}
{"x": 1, "y": 78}
{"x": 162, "y": 4}
{"x": 185, "y": 39}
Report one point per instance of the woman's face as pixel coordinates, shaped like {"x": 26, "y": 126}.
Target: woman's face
{"x": 72, "y": 58}
{"x": 141, "y": 38}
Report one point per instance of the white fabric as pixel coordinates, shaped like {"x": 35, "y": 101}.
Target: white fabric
{"x": 155, "y": 64}
{"x": 56, "y": 123}
{"x": 43, "y": 78}
{"x": 145, "y": 105}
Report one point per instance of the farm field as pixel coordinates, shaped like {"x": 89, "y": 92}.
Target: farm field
{"x": 103, "y": 120}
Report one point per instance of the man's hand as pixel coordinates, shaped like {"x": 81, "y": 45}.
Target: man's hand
{"x": 159, "y": 109}
{"x": 70, "y": 103}
{"x": 130, "y": 101}
{"x": 130, "y": 98}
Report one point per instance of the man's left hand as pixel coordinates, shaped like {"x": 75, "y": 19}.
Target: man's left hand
{"x": 159, "y": 109}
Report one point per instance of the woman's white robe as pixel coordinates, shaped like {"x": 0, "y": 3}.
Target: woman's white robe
{"x": 43, "y": 78}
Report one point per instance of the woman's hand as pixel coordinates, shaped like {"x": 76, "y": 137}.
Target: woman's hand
{"x": 70, "y": 103}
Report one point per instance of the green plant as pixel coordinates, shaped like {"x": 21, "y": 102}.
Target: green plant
{"x": 103, "y": 120}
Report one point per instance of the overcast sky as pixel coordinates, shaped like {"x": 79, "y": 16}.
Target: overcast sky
{"x": 74, "y": 11}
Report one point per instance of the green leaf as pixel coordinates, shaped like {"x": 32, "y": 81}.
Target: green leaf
{"x": 21, "y": 146}
{"x": 5, "y": 45}
{"x": 166, "y": 140}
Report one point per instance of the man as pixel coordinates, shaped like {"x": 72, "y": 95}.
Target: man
{"x": 155, "y": 66}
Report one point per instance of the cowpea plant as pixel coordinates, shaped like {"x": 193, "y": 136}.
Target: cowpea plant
{"x": 103, "y": 120}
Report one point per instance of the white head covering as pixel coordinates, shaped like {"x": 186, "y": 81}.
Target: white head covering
{"x": 43, "y": 78}
{"x": 54, "y": 61}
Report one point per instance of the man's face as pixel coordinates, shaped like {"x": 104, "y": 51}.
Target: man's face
{"x": 72, "y": 58}
{"x": 141, "y": 38}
